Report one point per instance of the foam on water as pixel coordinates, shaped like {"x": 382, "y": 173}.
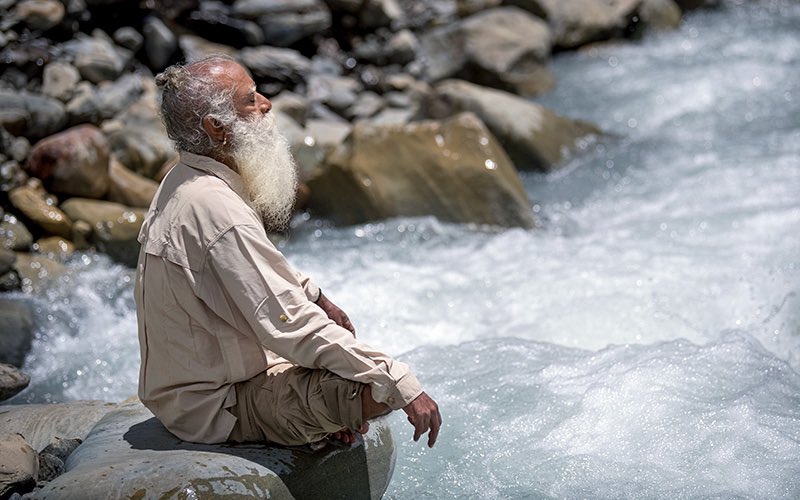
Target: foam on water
{"x": 644, "y": 342}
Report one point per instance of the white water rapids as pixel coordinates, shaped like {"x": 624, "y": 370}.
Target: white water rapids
{"x": 643, "y": 343}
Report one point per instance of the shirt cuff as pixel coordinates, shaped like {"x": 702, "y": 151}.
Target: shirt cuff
{"x": 406, "y": 390}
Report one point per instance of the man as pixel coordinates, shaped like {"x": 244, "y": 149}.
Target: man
{"x": 235, "y": 344}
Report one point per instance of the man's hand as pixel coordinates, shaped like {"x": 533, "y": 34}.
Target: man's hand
{"x": 334, "y": 313}
{"x": 423, "y": 413}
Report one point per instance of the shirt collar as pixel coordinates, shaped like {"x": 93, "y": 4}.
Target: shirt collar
{"x": 217, "y": 169}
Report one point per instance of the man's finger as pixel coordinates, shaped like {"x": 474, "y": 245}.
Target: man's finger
{"x": 434, "y": 433}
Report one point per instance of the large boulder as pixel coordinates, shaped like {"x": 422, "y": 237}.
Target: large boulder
{"x": 73, "y": 162}
{"x": 31, "y": 115}
{"x": 115, "y": 227}
{"x": 19, "y": 465}
{"x": 96, "y": 57}
{"x": 534, "y": 137}
{"x": 455, "y": 170}
{"x": 34, "y": 204}
{"x": 505, "y": 47}
{"x": 578, "y": 22}
{"x": 12, "y": 381}
{"x": 16, "y": 329}
{"x": 129, "y": 454}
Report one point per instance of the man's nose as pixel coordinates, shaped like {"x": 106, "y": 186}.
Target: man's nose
{"x": 265, "y": 105}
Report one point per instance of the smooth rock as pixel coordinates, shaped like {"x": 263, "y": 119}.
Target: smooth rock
{"x": 7, "y": 259}
{"x": 16, "y": 329}
{"x": 454, "y": 169}
{"x": 328, "y": 135}
{"x": 129, "y": 38}
{"x": 19, "y": 465}
{"x": 402, "y": 48}
{"x": 38, "y": 271}
{"x": 285, "y": 22}
{"x": 50, "y": 467}
{"x": 115, "y": 227}
{"x": 505, "y": 47}
{"x": 117, "y": 96}
{"x": 84, "y": 106}
{"x": 293, "y": 105}
{"x": 129, "y": 454}
{"x": 276, "y": 64}
{"x": 40, "y": 15}
{"x": 336, "y": 92}
{"x": 73, "y": 162}
{"x": 660, "y": 15}
{"x": 468, "y": 7}
{"x": 41, "y": 424}
{"x": 160, "y": 42}
{"x": 137, "y": 136}
{"x": 55, "y": 247}
{"x": 534, "y": 137}
{"x": 59, "y": 80}
{"x": 11, "y": 175}
{"x": 195, "y": 48}
{"x": 31, "y": 203}
{"x": 216, "y": 23}
{"x": 12, "y": 381}
{"x": 13, "y": 234}
{"x": 96, "y": 58}
{"x": 62, "y": 448}
{"x": 379, "y": 13}
{"x": 30, "y": 115}
{"x": 16, "y": 148}
{"x": 128, "y": 187}
{"x": 367, "y": 104}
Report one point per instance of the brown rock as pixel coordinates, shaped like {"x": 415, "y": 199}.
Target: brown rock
{"x": 454, "y": 170}
{"x": 19, "y": 465}
{"x": 37, "y": 271}
{"x": 73, "y": 162}
{"x": 130, "y": 188}
{"x": 41, "y": 211}
{"x": 40, "y": 14}
{"x": 12, "y": 381}
{"x": 55, "y": 247}
{"x": 13, "y": 234}
{"x": 115, "y": 227}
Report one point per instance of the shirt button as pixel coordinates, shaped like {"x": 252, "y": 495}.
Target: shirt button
{"x": 283, "y": 318}
{"x": 390, "y": 400}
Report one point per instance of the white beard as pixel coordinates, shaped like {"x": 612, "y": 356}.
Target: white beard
{"x": 265, "y": 163}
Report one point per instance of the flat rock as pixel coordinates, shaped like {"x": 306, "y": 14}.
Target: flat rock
{"x": 533, "y": 136}
{"x": 453, "y": 169}
{"x": 12, "y": 381}
{"x": 30, "y": 202}
{"x": 55, "y": 247}
{"x": 19, "y": 465}
{"x": 129, "y": 454}
{"x": 16, "y": 329}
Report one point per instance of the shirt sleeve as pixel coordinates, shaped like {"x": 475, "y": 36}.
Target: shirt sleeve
{"x": 310, "y": 288}
{"x": 258, "y": 280}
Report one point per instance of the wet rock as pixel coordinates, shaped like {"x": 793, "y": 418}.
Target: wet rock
{"x": 19, "y": 465}
{"x": 40, "y": 15}
{"x": 194, "y": 48}
{"x": 38, "y": 271}
{"x": 285, "y": 22}
{"x": 42, "y": 212}
{"x": 130, "y": 453}
{"x": 660, "y": 14}
{"x": 13, "y": 234}
{"x": 129, "y": 38}
{"x": 504, "y": 47}
{"x": 95, "y": 57}
{"x": 129, "y": 188}
{"x": 534, "y": 137}
{"x": 276, "y": 64}
{"x": 50, "y": 467}
{"x": 55, "y": 247}
{"x": 455, "y": 170}
{"x": 30, "y": 115}
{"x": 12, "y": 381}
{"x": 41, "y": 424}
{"x": 73, "y": 162}
{"x": 115, "y": 227}
{"x": 293, "y": 105}
{"x": 160, "y": 43}
{"x": 59, "y": 80}
{"x": 16, "y": 330}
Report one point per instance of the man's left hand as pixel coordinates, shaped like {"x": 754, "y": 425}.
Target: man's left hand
{"x": 334, "y": 313}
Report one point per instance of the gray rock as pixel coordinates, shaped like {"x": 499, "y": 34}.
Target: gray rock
{"x": 160, "y": 42}
{"x": 96, "y": 58}
{"x": 454, "y": 169}
{"x": 13, "y": 234}
{"x": 276, "y": 64}
{"x": 41, "y": 424}
{"x": 73, "y": 162}
{"x": 378, "y": 13}
{"x": 293, "y": 105}
{"x": 534, "y": 137}
{"x": 59, "y": 80}
{"x": 504, "y": 47}
{"x": 115, "y": 227}
{"x": 16, "y": 329}
{"x": 12, "y": 381}
{"x": 40, "y": 15}
{"x": 62, "y": 448}
{"x": 19, "y": 465}
{"x": 30, "y": 115}
{"x": 130, "y": 454}
{"x": 129, "y": 38}
{"x": 285, "y": 22}
{"x": 7, "y": 259}
{"x": 115, "y": 97}
{"x": 402, "y": 47}
{"x": 50, "y": 467}
{"x": 368, "y": 104}
{"x": 393, "y": 116}
{"x": 84, "y": 107}
{"x": 10, "y": 281}
{"x": 38, "y": 271}
{"x": 337, "y": 92}
{"x": 194, "y": 48}
{"x": 252, "y": 9}
{"x": 660, "y": 15}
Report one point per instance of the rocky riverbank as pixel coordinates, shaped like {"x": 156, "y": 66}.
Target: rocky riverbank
{"x": 392, "y": 108}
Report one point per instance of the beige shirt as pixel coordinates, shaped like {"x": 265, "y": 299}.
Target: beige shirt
{"x": 217, "y": 304}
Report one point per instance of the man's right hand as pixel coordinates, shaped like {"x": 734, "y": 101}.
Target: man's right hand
{"x": 423, "y": 413}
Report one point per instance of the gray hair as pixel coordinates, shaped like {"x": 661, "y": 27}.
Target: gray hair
{"x": 188, "y": 94}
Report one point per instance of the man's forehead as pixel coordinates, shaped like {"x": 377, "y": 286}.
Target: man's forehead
{"x": 228, "y": 72}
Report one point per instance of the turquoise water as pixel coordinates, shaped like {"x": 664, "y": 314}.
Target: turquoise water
{"x": 643, "y": 343}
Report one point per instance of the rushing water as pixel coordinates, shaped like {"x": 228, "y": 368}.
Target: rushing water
{"x": 643, "y": 343}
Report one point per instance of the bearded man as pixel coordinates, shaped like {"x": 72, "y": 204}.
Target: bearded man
{"x": 235, "y": 344}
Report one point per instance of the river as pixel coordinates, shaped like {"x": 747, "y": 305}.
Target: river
{"x": 643, "y": 342}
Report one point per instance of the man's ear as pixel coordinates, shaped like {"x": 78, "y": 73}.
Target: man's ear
{"x": 214, "y": 128}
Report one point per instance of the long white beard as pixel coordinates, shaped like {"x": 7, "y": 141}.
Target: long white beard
{"x": 265, "y": 163}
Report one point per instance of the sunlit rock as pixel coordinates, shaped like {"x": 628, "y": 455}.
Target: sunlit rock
{"x": 115, "y": 227}
{"x": 128, "y": 187}
{"x": 34, "y": 205}
{"x": 455, "y": 170}
{"x": 13, "y": 234}
{"x": 12, "y": 381}
{"x": 19, "y": 465}
{"x": 38, "y": 271}
{"x": 660, "y": 14}
{"x": 534, "y": 137}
